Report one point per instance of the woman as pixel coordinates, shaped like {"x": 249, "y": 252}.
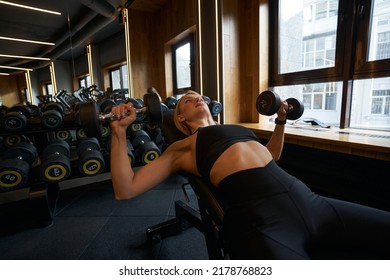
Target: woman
{"x": 269, "y": 213}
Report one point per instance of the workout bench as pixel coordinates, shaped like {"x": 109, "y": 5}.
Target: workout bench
{"x": 208, "y": 219}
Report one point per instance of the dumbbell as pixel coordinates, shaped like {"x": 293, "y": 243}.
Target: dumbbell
{"x": 106, "y": 105}
{"x": 137, "y": 105}
{"x": 214, "y": 106}
{"x": 16, "y": 164}
{"x": 91, "y": 161}
{"x": 268, "y": 103}
{"x": 13, "y": 139}
{"x": 53, "y": 115}
{"x": 55, "y": 165}
{"x": 15, "y": 119}
{"x": 91, "y": 121}
{"x": 145, "y": 149}
{"x": 171, "y": 102}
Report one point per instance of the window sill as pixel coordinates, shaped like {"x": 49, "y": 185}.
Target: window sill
{"x": 366, "y": 143}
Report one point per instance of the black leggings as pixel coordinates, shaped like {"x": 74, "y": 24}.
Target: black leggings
{"x": 272, "y": 215}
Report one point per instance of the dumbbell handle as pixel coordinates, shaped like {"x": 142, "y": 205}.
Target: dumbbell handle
{"x": 111, "y": 117}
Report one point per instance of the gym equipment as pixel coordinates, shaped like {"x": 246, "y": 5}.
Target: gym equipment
{"x": 171, "y": 102}
{"x": 106, "y": 105}
{"x": 91, "y": 161}
{"x": 13, "y": 139}
{"x": 145, "y": 149}
{"x": 52, "y": 116}
{"x": 268, "y": 103}
{"x": 16, "y": 118}
{"x": 16, "y": 164}
{"x": 64, "y": 135}
{"x": 35, "y": 110}
{"x": 55, "y": 166}
{"x": 91, "y": 121}
{"x": 209, "y": 218}
{"x": 214, "y": 106}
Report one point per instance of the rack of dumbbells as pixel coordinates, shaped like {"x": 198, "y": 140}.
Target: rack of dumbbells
{"x": 66, "y": 137}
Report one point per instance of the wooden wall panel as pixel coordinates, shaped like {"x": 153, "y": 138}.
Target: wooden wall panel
{"x": 231, "y": 61}
{"x": 241, "y": 59}
{"x": 150, "y": 32}
{"x": 10, "y": 89}
{"x": 249, "y": 56}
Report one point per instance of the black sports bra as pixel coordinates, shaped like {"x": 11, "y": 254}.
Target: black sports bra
{"x": 213, "y": 140}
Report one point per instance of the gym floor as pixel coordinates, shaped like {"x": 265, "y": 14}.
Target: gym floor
{"x": 90, "y": 224}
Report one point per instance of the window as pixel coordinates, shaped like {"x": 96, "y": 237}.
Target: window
{"x": 49, "y": 89}
{"x": 118, "y": 77}
{"x": 335, "y": 57}
{"x": 85, "y": 82}
{"x": 183, "y": 66}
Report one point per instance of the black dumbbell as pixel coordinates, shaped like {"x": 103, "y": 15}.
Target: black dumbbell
{"x": 15, "y": 119}
{"x": 64, "y": 135}
{"x": 91, "y": 121}
{"x": 145, "y": 149}
{"x": 55, "y": 165}
{"x": 268, "y": 103}
{"x": 53, "y": 115}
{"x": 16, "y": 164}
{"x": 91, "y": 161}
{"x": 171, "y": 102}
{"x": 137, "y": 105}
{"x": 13, "y": 139}
{"x": 106, "y": 105}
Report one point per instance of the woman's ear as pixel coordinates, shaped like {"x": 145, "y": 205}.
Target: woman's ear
{"x": 181, "y": 118}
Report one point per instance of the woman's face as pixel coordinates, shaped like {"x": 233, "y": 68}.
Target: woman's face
{"x": 192, "y": 105}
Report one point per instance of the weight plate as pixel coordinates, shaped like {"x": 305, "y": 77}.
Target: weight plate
{"x": 13, "y": 174}
{"x": 20, "y": 108}
{"x": 26, "y": 151}
{"x": 91, "y": 163}
{"x": 63, "y": 135}
{"x": 106, "y": 105}
{"x": 56, "y": 147}
{"x": 51, "y": 119}
{"x": 106, "y": 131}
{"x": 90, "y": 143}
{"x": 35, "y": 111}
{"x": 55, "y": 106}
{"x": 295, "y": 110}
{"x": 140, "y": 137}
{"x": 14, "y": 121}
{"x": 11, "y": 140}
{"x": 268, "y": 103}
{"x": 55, "y": 168}
{"x": 153, "y": 104}
{"x": 148, "y": 152}
{"x": 215, "y": 108}
{"x": 89, "y": 119}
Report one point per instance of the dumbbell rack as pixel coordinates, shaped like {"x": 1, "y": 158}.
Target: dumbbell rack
{"x": 42, "y": 195}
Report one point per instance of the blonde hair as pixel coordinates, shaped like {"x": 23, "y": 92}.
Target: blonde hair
{"x": 183, "y": 127}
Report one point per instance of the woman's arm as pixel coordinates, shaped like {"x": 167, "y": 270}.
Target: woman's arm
{"x": 275, "y": 144}
{"x": 127, "y": 183}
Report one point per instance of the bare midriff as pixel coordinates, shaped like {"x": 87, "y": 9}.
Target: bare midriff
{"x": 238, "y": 157}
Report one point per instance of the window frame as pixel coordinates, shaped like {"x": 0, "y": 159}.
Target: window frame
{"x": 189, "y": 39}
{"x": 351, "y": 56}
{"x": 122, "y": 82}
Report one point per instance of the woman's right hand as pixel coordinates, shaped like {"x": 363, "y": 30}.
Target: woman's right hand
{"x": 126, "y": 114}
